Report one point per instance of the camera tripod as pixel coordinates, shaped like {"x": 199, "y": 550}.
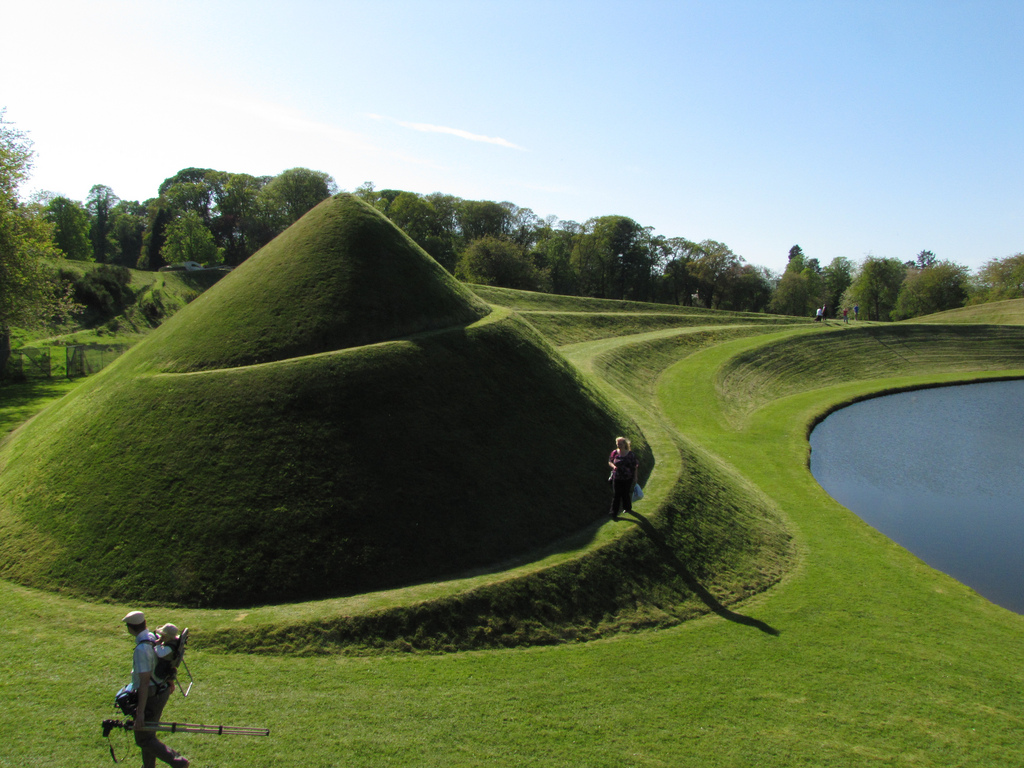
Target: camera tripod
{"x": 218, "y": 730}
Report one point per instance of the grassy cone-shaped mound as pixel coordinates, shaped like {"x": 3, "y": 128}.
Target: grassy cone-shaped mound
{"x": 177, "y": 475}
{"x": 342, "y": 276}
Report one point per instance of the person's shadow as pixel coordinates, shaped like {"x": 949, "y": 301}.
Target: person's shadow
{"x": 695, "y": 586}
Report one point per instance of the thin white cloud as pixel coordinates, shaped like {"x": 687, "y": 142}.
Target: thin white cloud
{"x": 428, "y": 128}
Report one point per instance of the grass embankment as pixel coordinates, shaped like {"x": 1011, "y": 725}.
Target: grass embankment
{"x": 570, "y": 319}
{"x": 1009, "y": 312}
{"x": 863, "y": 655}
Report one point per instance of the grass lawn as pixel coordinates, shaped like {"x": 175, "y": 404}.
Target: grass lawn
{"x": 861, "y": 655}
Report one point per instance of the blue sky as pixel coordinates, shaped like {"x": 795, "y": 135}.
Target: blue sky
{"x": 849, "y": 128}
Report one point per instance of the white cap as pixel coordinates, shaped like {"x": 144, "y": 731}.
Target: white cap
{"x": 134, "y": 618}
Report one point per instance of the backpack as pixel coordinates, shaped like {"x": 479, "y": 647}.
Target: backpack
{"x": 169, "y": 655}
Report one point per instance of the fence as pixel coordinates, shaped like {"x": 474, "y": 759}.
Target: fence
{"x": 61, "y": 362}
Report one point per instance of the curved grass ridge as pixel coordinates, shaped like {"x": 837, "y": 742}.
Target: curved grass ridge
{"x": 798, "y": 363}
{"x": 708, "y": 540}
{"x": 712, "y": 543}
{"x": 713, "y": 540}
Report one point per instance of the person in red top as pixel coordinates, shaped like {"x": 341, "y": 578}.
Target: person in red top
{"x": 625, "y": 466}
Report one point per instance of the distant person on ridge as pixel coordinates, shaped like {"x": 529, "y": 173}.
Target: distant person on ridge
{"x": 846, "y": 313}
{"x": 625, "y": 466}
{"x": 856, "y": 311}
{"x": 817, "y": 315}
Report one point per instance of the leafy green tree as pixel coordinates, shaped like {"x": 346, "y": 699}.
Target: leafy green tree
{"x": 1000, "y": 279}
{"x": 816, "y": 293}
{"x": 188, "y": 239}
{"x": 292, "y": 193}
{"x": 70, "y": 228}
{"x": 748, "y": 290}
{"x": 29, "y": 294}
{"x": 553, "y": 255}
{"x": 432, "y": 228}
{"x": 127, "y": 226}
{"x": 716, "y": 265}
{"x": 100, "y": 204}
{"x": 796, "y": 259}
{"x": 876, "y": 287}
{"x": 679, "y": 275}
{"x": 837, "y": 277}
{"x": 493, "y": 261}
{"x": 443, "y": 243}
{"x": 191, "y": 189}
{"x": 524, "y": 225}
{"x": 483, "y": 218}
{"x": 940, "y": 286}
{"x": 158, "y": 216}
{"x": 241, "y": 224}
{"x": 791, "y": 296}
{"x": 925, "y": 259}
{"x": 623, "y": 243}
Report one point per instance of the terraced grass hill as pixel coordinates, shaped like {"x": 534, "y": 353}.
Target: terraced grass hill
{"x": 337, "y": 415}
{"x": 573, "y": 319}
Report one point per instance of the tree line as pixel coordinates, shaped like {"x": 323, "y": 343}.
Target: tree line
{"x": 220, "y": 218}
{"x": 215, "y": 217}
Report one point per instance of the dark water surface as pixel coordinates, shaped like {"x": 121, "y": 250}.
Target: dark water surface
{"x": 940, "y": 472}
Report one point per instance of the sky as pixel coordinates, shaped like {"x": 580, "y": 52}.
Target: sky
{"x": 849, "y": 128}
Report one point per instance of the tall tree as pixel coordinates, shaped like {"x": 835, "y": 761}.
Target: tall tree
{"x": 1000, "y": 279}
{"x": 876, "y": 286}
{"x": 553, "y": 255}
{"x": 796, "y": 259}
{"x": 241, "y": 225}
{"x": 837, "y": 276}
{"x": 940, "y": 286}
{"x": 482, "y": 218}
{"x": 925, "y": 259}
{"x": 791, "y": 296}
{"x": 292, "y": 193}
{"x": 679, "y": 275}
{"x": 493, "y": 261}
{"x": 70, "y": 228}
{"x": 716, "y": 264}
{"x": 188, "y": 239}
{"x": 127, "y": 225}
{"x": 100, "y": 204}
{"x": 28, "y": 291}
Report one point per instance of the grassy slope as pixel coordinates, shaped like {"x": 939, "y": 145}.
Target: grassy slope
{"x": 171, "y": 290}
{"x": 881, "y": 659}
{"x": 338, "y": 467}
{"x": 878, "y": 659}
{"x": 1009, "y": 312}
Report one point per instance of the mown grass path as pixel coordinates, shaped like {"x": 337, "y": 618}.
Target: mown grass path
{"x": 873, "y": 658}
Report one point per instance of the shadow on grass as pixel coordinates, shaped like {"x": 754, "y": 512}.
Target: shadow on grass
{"x": 691, "y": 582}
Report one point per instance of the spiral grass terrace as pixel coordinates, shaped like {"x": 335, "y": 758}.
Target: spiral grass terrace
{"x": 788, "y": 632}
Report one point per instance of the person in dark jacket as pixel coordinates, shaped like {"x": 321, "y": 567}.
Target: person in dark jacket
{"x": 625, "y": 467}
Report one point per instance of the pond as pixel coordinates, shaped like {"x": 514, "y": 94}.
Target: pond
{"x": 940, "y": 472}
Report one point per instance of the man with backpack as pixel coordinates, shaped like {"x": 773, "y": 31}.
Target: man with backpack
{"x": 152, "y": 691}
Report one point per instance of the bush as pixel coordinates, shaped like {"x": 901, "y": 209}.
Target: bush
{"x": 104, "y": 291}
